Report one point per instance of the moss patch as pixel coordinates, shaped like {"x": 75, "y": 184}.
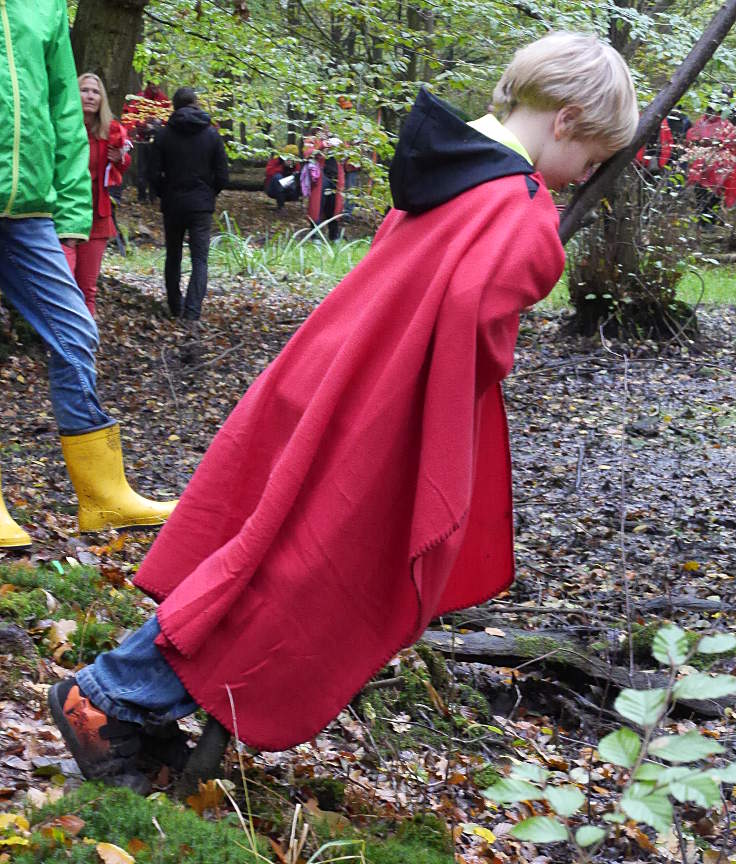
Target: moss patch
{"x": 395, "y": 851}
{"x": 424, "y": 706}
{"x": 643, "y": 636}
{"x": 120, "y": 816}
{"x": 423, "y": 839}
{"x": 486, "y": 777}
{"x": 436, "y": 666}
{"x": 102, "y": 603}
{"x": 330, "y": 793}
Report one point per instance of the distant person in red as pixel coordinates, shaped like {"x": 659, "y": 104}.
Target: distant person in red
{"x": 352, "y": 171}
{"x": 656, "y": 153}
{"x": 108, "y": 159}
{"x": 144, "y": 115}
{"x": 282, "y": 177}
{"x": 712, "y": 155}
{"x": 323, "y": 181}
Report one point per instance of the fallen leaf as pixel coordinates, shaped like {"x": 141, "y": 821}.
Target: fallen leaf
{"x": 436, "y": 699}
{"x": 479, "y": 831}
{"x": 14, "y": 841}
{"x": 70, "y": 824}
{"x": 208, "y": 797}
{"x": 60, "y": 631}
{"x": 691, "y": 566}
{"x": 112, "y": 854}
{"x": 17, "y": 819}
{"x": 336, "y": 822}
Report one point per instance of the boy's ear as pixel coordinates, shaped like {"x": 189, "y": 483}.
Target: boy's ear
{"x": 565, "y": 121}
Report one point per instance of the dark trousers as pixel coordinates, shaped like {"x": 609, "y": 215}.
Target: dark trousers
{"x": 198, "y": 226}
{"x": 279, "y": 193}
{"x": 329, "y": 199}
{"x": 143, "y": 171}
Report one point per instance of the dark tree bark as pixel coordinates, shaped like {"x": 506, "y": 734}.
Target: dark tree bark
{"x": 602, "y": 181}
{"x": 104, "y": 38}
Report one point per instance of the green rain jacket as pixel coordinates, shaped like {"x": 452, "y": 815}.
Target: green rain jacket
{"x": 44, "y": 154}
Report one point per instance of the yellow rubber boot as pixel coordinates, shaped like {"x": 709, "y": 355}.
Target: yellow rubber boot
{"x": 12, "y": 536}
{"x": 94, "y": 461}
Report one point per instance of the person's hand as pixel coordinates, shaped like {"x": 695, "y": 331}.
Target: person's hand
{"x": 71, "y": 242}
{"x": 115, "y": 154}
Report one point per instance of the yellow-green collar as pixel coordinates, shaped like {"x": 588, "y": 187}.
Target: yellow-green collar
{"x": 489, "y": 126}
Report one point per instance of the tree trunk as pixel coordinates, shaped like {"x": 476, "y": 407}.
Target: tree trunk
{"x": 104, "y": 38}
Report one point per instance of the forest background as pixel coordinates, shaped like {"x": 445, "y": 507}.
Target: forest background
{"x": 270, "y": 74}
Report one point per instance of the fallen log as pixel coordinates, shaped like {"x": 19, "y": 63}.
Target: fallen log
{"x": 683, "y": 601}
{"x": 237, "y": 184}
{"x": 559, "y": 648}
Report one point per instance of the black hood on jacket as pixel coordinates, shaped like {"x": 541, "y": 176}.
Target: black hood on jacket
{"x": 439, "y": 156}
{"x": 189, "y": 120}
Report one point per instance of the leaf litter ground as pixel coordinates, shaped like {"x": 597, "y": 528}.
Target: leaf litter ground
{"x": 578, "y": 414}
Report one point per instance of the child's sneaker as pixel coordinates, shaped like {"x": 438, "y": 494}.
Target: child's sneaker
{"x": 105, "y": 748}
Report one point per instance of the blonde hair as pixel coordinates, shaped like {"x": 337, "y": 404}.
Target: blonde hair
{"x": 100, "y": 126}
{"x": 576, "y": 69}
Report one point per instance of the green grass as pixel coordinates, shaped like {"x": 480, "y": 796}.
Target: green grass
{"x": 305, "y": 259}
{"x": 306, "y": 262}
{"x": 141, "y": 259}
{"x": 720, "y": 288}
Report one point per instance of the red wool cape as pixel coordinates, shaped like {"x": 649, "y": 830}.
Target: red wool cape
{"x": 362, "y": 485}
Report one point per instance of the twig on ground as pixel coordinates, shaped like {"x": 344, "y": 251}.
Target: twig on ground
{"x": 622, "y": 503}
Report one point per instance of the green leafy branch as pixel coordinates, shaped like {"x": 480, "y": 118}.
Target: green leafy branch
{"x": 660, "y": 768}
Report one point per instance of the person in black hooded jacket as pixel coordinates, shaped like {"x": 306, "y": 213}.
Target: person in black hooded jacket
{"x": 188, "y": 170}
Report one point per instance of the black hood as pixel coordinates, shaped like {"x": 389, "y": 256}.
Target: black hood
{"x": 189, "y": 120}
{"x": 439, "y": 156}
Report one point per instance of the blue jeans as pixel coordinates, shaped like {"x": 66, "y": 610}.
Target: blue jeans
{"x": 135, "y": 683}
{"x": 35, "y": 278}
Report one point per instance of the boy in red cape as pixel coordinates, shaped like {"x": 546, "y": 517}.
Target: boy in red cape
{"x": 362, "y": 485}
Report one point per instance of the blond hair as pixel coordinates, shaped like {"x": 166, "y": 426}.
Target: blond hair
{"x": 573, "y": 69}
{"x": 100, "y": 126}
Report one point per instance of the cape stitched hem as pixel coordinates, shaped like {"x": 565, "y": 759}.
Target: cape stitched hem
{"x": 286, "y": 744}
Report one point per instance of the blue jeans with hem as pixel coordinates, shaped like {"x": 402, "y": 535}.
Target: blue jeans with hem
{"x": 134, "y": 683}
{"x": 35, "y": 279}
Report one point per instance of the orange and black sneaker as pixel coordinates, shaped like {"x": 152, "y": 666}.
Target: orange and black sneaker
{"x": 105, "y": 748}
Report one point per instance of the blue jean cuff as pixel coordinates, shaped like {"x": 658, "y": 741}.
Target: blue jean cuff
{"x": 86, "y": 431}
{"x": 89, "y": 687}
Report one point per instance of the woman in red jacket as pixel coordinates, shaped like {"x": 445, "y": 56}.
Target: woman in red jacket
{"x": 108, "y": 159}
